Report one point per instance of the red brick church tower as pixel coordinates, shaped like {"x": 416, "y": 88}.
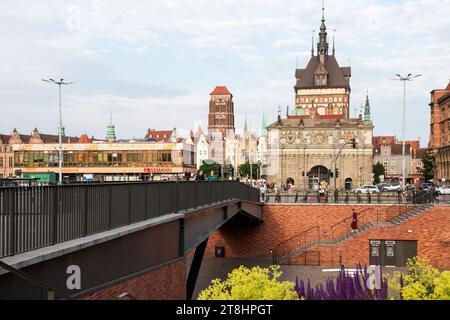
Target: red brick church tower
{"x": 221, "y": 111}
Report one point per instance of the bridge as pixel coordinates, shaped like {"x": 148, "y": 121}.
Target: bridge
{"x": 74, "y": 241}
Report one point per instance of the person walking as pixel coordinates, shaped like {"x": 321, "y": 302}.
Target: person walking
{"x": 263, "y": 191}
{"x": 354, "y": 224}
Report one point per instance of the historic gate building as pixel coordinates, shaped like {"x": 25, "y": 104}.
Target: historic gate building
{"x": 302, "y": 146}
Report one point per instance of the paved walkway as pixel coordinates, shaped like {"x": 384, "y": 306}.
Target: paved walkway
{"x": 220, "y": 267}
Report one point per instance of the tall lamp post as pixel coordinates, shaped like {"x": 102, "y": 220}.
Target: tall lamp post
{"x": 409, "y": 77}
{"x": 59, "y": 84}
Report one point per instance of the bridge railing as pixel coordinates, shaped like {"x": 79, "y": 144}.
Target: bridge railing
{"x": 39, "y": 216}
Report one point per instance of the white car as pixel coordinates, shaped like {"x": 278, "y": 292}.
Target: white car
{"x": 367, "y": 189}
{"x": 443, "y": 189}
{"x": 391, "y": 187}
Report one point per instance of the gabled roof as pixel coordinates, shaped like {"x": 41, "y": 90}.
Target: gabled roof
{"x": 220, "y": 90}
{"x": 159, "y": 135}
{"x": 336, "y": 75}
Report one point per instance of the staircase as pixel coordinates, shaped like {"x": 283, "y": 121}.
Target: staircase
{"x": 368, "y": 226}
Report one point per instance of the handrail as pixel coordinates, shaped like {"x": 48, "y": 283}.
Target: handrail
{"x": 298, "y": 235}
{"x": 360, "y": 215}
{"x": 400, "y": 206}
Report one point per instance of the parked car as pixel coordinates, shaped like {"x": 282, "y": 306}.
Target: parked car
{"x": 391, "y": 187}
{"x": 443, "y": 189}
{"x": 426, "y": 186}
{"x": 367, "y": 189}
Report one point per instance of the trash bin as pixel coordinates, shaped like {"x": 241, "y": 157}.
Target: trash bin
{"x": 220, "y": 252}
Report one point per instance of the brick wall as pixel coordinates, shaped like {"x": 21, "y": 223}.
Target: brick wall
{"x": 242, "y": 238}
{"x": 165, "y": 283}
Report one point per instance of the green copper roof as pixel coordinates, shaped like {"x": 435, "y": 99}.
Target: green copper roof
{"x": 263, "y": 126}
{"x": 110, "y": 132}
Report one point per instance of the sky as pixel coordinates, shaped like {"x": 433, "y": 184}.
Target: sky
{"x": 153, "y": 63}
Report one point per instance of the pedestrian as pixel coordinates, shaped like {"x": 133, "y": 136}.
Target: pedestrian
{"x": 354, "y": 224}
{"x": 200, "y": 176}
{"x": 263, "y": 191}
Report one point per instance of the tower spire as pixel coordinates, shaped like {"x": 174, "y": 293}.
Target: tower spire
{"x": 367, "y": 116}
{"x": 312, "y": 43}
{"x": 110, "y": 131}
{"x": 322, "y": 46}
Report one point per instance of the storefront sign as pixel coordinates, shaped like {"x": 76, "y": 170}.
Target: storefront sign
{"x": 157, "y": 170}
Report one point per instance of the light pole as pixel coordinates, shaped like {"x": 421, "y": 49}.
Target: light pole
{"x": 409, "y": 77}
{"x": 59, "y": 84}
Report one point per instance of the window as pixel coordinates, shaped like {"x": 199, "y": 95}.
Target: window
{"x": 1, "y": 162}
{"x": 393, "y": 162}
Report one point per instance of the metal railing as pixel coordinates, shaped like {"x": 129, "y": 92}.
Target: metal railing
{"x": 294, "y": 243}
{"x": 39, "y": 216}
{"x": 386, "y": 198}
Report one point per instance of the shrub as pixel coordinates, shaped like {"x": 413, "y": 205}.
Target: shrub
{"x": 422, "y": 282}
{"x": 250, "y": 284}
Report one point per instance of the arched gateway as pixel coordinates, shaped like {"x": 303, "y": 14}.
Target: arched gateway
{"x": 317, "y": 175}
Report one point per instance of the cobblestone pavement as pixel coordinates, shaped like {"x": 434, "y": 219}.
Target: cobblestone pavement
{"x": 220, "y": 267}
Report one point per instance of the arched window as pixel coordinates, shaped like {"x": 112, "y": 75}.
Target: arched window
{"x": 348, "y": 184}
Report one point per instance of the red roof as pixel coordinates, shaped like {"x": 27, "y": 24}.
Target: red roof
{"x": 84, "y": 139}
{"x": 220, "y": 91}
{"x": 159, "y": 135}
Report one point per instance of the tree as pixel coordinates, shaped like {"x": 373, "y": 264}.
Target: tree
{"x": 378, "y": 170}
{"x": 208, "y": 167}
{"x": 422, "y": 282}
{"x": 244, "y": 169}
{"x": 428, "y": 169}
{"x": 228, "y": 170}
{"x": 251, "y": 284}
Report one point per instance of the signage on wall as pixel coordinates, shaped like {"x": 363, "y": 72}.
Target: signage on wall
{"x": 157, "y": 170}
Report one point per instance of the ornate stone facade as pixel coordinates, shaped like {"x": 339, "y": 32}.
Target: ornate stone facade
{"x": 304, "y": 151}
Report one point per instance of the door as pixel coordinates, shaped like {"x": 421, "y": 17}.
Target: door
{"x": 405, "y": 250}
{"x": 390, "y": 252}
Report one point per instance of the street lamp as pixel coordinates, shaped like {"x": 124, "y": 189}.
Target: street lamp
{"x": 59, "y": 84}
{"x": 409, "y": 77}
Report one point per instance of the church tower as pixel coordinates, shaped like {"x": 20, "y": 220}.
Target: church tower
{"x": 323, "y": 87}
{"x": 221, "y": 111}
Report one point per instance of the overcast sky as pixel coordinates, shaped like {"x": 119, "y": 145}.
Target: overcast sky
{"x": 153, "y": 63}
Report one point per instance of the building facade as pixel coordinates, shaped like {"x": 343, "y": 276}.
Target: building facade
{"x": 302, "y": 147}
{"x": 388, "y": 151}
{"x": 7, "y": 164}
{"x": 104, "y": 161}
{"x": 439, "y": 146}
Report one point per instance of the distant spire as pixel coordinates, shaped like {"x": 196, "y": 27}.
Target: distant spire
{"x": 263, "y": 125}
{"x": 287, "y": 111}
{"x": 110, "y": 131}
{"x": 312, "y": 43}
{"x": 367, "y": 117}
{"x": 245, "y": 124}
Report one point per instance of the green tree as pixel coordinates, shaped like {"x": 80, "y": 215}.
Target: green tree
{"x": 244, "y": 169}
{"x": 251, "y": 284}
{"x": 228, "y": 170}
{"x": 378, "y": 170}
{"x": 208, "y": 167}
{"x": 422, "y": 282}
{"x": 428, "y": 169}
